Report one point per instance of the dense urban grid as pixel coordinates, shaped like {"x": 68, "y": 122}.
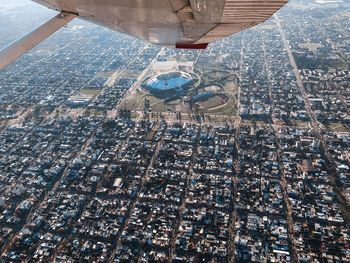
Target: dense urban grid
{"x": 84, "y": 179}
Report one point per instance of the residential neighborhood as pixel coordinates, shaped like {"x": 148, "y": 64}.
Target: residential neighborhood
{"x": 248, "y": 162}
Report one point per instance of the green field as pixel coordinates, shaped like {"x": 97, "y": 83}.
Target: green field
{"x": 229, "y": 109}
{"x": 211, "y": 103}
{"x": 346, "y": 14}
{"x": 300, "y": 124}
{"x": 90, "y": 91}
{"x": 337, "y": 127}
{"x": 311, "y": 46}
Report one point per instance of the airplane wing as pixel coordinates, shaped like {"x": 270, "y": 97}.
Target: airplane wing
{"x": 175, "y": 23}
{"x": 181, "y": 23}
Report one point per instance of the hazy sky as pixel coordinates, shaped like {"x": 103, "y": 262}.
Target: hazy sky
{"x": 10, "y": 4}
{"x": 19, "y": 17}
{"x": 13, "y": 5}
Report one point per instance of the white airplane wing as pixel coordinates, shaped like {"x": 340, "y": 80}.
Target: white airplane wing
{"x": 172, "y": 22}
{"x": 176, "y": 23}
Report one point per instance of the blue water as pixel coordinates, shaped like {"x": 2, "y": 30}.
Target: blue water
{"x": 170, "y": 83}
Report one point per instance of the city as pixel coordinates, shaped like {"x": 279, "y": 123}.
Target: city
{"x": 248, "y": 162}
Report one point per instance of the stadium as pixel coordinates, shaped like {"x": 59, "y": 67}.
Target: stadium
{"x": 169, "y": 83}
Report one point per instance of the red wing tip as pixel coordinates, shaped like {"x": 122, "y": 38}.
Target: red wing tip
{"x": 191, "y": 46}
